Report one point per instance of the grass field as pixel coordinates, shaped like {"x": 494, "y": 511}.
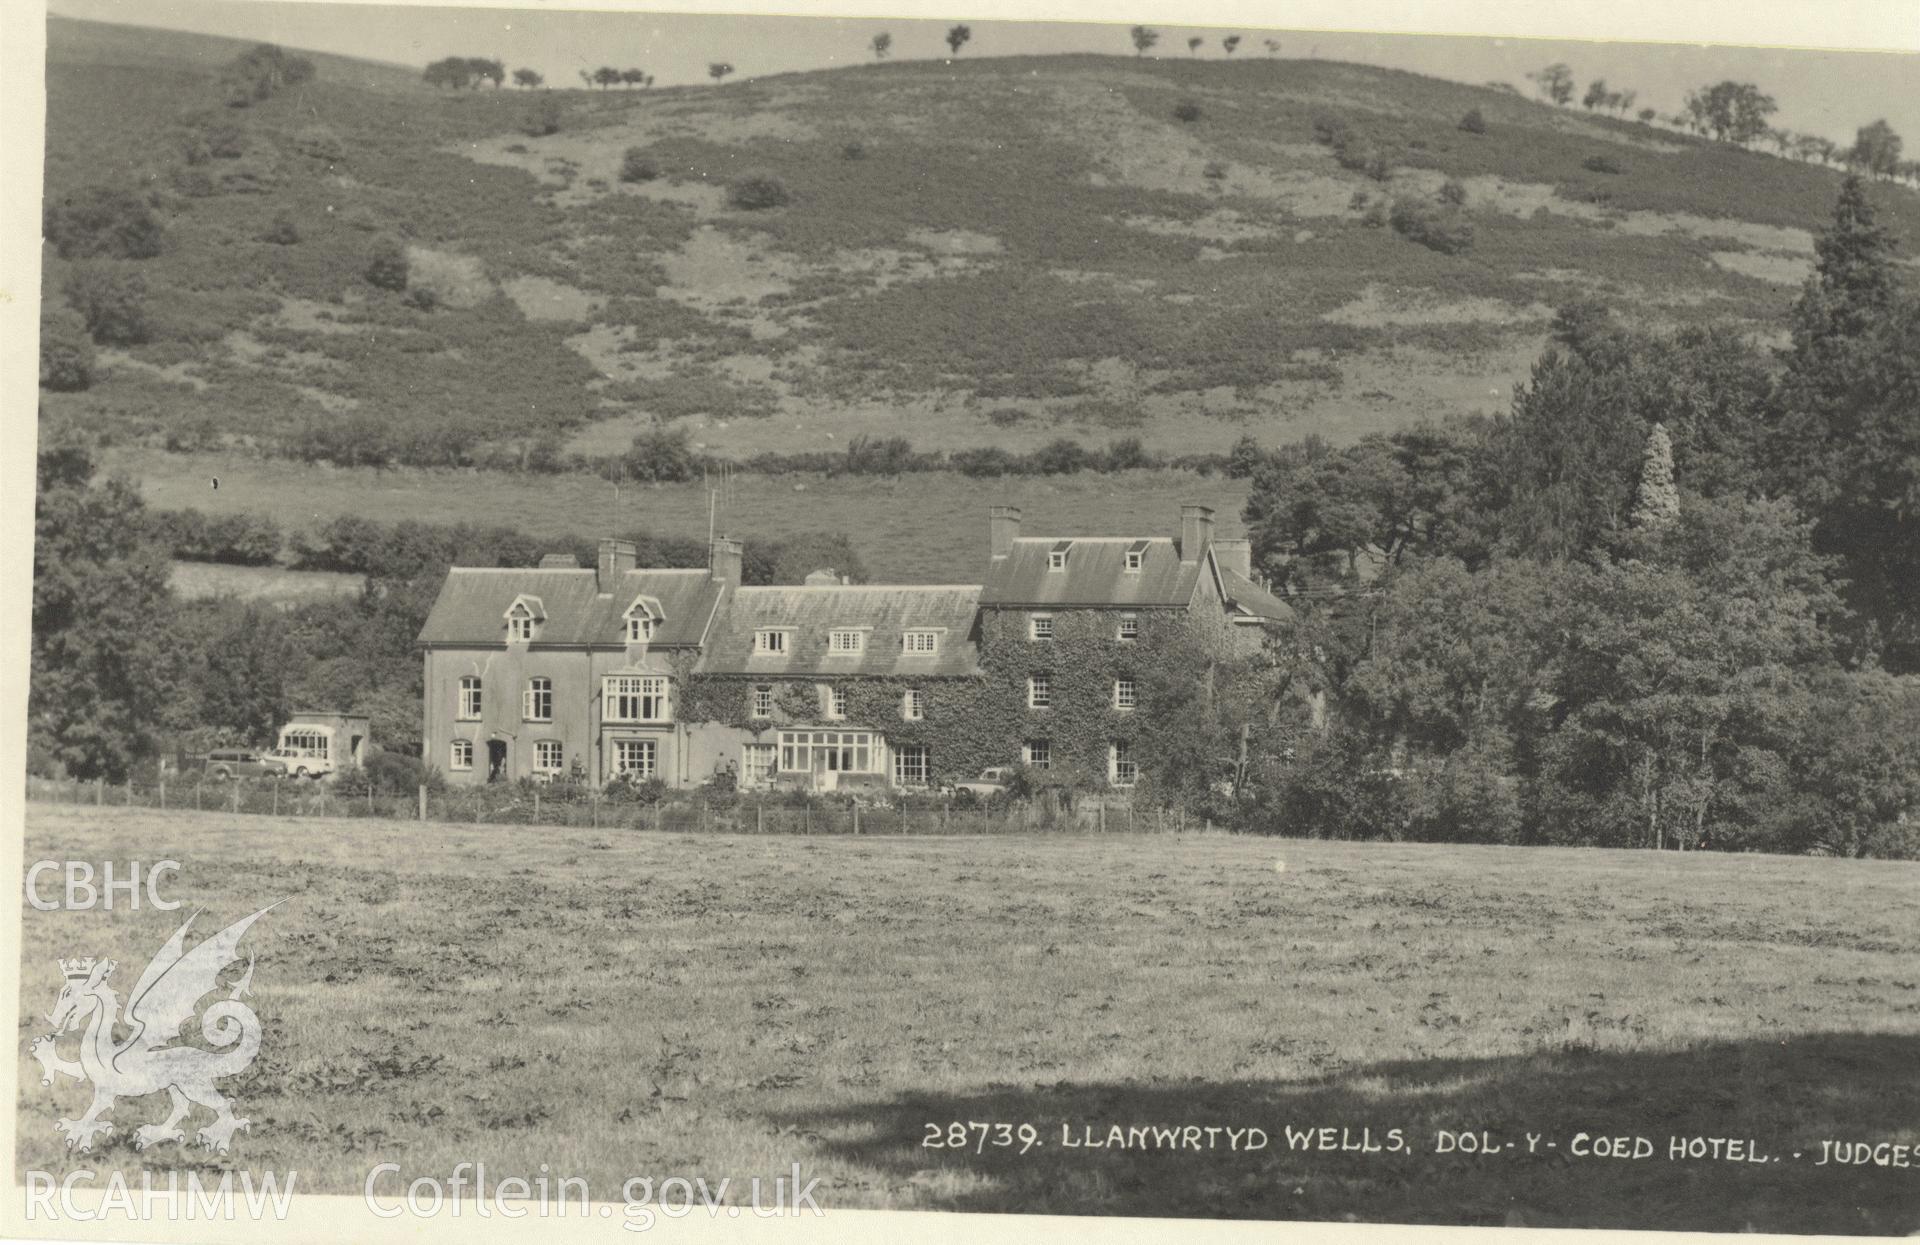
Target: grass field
{"x": 615, "y": 1005}
{"x": 929, "y": 527}
{"x": 193, "y": 580}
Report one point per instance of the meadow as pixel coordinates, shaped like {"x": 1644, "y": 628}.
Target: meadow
{"x": 616, "y": 1004}
{"x": 926, "y": 527}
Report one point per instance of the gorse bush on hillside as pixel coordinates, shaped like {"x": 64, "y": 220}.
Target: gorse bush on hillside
{"x": 758, "y": 191}
{"x": 387, "y": 264}
{"x": 281, "y": 231}
{"x": 1602, "y": 164}
{"x": 260, "y": 72}
{"x": 1473, "y": 122}
{"x": 103, "y": 222}
{"x": 637, "y": 166}
{"x": 66, "y": 352}
{"x": 1435, "y": 227}
{"x": 112, "y": 301}
{"x": 548, "y": 116}
{"x": 1186, "y": 110}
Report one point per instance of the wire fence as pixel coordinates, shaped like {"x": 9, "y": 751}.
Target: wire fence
{"x": 688, "y": 813}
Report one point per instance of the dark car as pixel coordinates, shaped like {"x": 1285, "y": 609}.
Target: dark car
{"x": 226, "y": 763}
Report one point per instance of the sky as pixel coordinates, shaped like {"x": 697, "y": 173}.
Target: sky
{"x": 1824, "y": 92}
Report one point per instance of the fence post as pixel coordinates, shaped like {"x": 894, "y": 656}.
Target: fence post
{"x": 196, "y": 797}
{"x": 760, "y": 817}
{"x": 423, "y": 801}
{"x": 946, "y": 817}
{"x": 163, "y": 793}
{"x": 236, "y": 793}
{"x": 276, "y": 799}
{"x": 856, "y": 819}
{"x": 369, "y": 799}
{"x": 536, "y": 806}
{"x": 809, "y": 816}
{"x": 596, "y": 810}
{"x": 99, "y": 792}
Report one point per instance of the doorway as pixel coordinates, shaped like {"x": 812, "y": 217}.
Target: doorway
{"x": 496, "y": 759}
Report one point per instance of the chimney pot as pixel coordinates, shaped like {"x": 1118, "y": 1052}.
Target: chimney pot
{"x": 724, "y": 557}
{"x": 617, "y": 557}
{"x": 1196, "y": 532}
{"x": 1003, "y": 528}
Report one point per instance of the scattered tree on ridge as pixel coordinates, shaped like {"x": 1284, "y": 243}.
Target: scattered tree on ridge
{"x": 1555, "y": 82}
{"x": 1877, "y": 149}
{"x": 1596, "y": 94}
{"x": 1272, "y": 45}
{"x": 958, "y": 36}
{"x": 1732, "y": 112}
{"x": 260, "y": 72}
{"x": 1230, "y": 43}
{"x": 882, "y": 45}
{"x": 1193, "y": 44}
{"x": 1144, "y": 37}
{"x": 527, "y": 78}
{"x": 718, "y": 70}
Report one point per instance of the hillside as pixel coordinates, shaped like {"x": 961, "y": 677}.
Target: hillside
{"x": 990, "y": 252}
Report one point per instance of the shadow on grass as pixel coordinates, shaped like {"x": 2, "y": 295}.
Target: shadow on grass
{"x": 1778, "y": 1097}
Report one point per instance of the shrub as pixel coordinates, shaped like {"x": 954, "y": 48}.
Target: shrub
{"x": 66, "y": 352}
{"x": 1061, "y": 457}
{"x": 422, "y": 298}
{"x": 1360, "y": 200}
{"x": 544, "y": 118}
{"x": 1418, "y": 220}
{"x": 758, "y": 191}
{"x": 660, "y": 455}
{"x": 112, "y": 302}
{"x": 1186, "y": 110}
{"x": 1244, "y": 458}
{"x": 282, "y": 231}
{"x": 317, "y": 142}
{"x": 1329, "y": 131}
{"x": 387, "y": 264}
{"x": 1453, "y": 192}
{"x": 855, "y": 150}
{"x": 638, "y": 166}
{"x": 1473, "y": 122}
{"x": 1602, "y": 164}
{"x": 103, "y": 222}
{"x": 1006, "y": 416}
{"x": 1377, "y": 213}
{"x": 1215, "y": 171}
{"x": 224, "y": 140}
{"x": 986, "y": 462}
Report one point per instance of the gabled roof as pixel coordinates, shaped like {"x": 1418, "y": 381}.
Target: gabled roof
{"x": 1096, "y": 574}
{"x": 883, "y": 611}
{"x": 1250, "y": 599}
{"x": 473, "y": 604}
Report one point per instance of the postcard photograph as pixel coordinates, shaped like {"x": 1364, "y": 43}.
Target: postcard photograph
{"x": 646, "y": 619}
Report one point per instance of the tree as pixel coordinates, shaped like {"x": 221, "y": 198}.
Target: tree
{"x": 1193, "y": 44}
{"x": 1144, "y": 37}
{"x": 1555, "y": 82}
{"x": 1272, "y": 46}
{"x": 102, "y": 652}
{"x": 103, "y": 222}
{"x": 1473, "y": 122}
{"x": 387, "y": 265}
{"x": 527, "y": 78}
{"x": 957, "y": 37}
{"x": 634, "y": 77}
{"x": 1878, "y": 148}
{"x": 1657, "y": 501}
{"x": 112, "y": 301}
{"x": 757, "y": 191}
{"x": 260, "y": 72}
{"x": 486, "y": 69}
{"x": 606, "y": 75}
{"x": 66, "y": 351}
{"x": 452, "y": 72}
{"x": 1734, "y": 112}
{"x": 637, "y": 166}
{"x": 1596, "y": 94}
{"x": 718, "y": 70}
{"x": 1230, "y": 43}
{"x": 882, "y": 45}
{"x": 1647, "y": 115}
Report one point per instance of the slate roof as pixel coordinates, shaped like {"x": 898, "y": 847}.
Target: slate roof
{"x": 1250, "y": 598}
{"x": 472, "y": 606}
{"x": 1096, "y": 574}
{"x": 810, "y": 612}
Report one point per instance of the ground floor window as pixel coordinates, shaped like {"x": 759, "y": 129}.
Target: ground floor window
{"x": 462, "y": 754}
{"x": 1122, "y": 769}
{"x": 845, "y": 752}
{"x": 912, "y": 765}
{"x": 756, "y": 764}
{"x": 1038, "y": 753}
{"x": 549, "y": 757}
{"x": 638, "y": 757}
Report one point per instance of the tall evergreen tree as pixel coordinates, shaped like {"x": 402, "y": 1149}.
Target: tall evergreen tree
{"x": 1658, "y": 502}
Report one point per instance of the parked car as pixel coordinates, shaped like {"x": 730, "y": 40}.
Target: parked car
{"x": 992, "y": 781}
{"x": 225, "y": 763}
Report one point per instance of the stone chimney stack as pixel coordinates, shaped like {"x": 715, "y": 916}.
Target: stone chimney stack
{"x": 723, "y": 560}
{"x": 1235, "y": 556}
{"x": 1196, "y": 532}
{"x": 1003, "y": 528}
{"x": 616, "y": 559}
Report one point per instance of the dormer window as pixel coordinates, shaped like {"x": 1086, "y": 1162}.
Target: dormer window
{"x": 642, "y": 619}
{"x": 922, "y": 642}
{"x": 770, "y": 640}
{"x": 524, "y": 617}
{"x": 1136, "y": 556}
{"x": 1057, "y": 556}
{"x": 846, "y": 640}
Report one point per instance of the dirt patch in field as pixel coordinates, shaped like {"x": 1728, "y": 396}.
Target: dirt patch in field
{"x": 713, "y": 269}
{"x": 308, "y": 316}
{"x": 457, "y": 280}
{"x": 1224, "y": 225}
{"x": 542, "y": 298}
{"x": 955, "y": 241}
{"x": 1775, "y": 268}
{"x": 172, "y": 374}
{"x": 1378, "y": 307}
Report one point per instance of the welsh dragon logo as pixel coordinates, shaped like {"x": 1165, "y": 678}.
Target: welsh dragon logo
{"x": 151, "y": 1057}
